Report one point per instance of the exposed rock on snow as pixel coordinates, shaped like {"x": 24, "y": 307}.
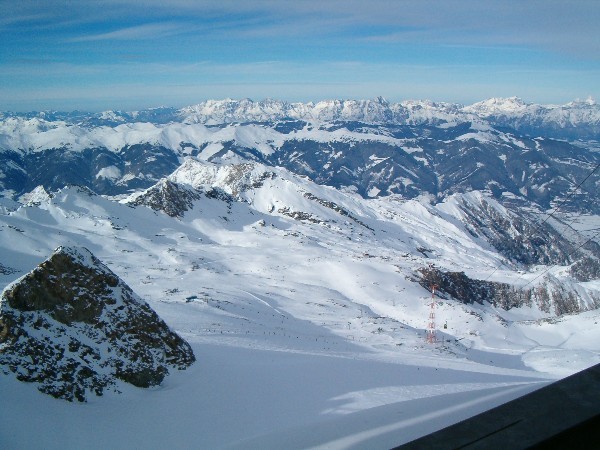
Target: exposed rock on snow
{"x": 335, "y": 207}
{"x": 73, "y": 327}
{"x": 169, "y": 197}
{"x": 467, "y": 290}
{"x": 174, "y": 199}
{"x": 550, "y": 296}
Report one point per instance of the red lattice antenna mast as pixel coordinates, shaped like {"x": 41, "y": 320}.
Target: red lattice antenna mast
{"x": 431, "y": 337}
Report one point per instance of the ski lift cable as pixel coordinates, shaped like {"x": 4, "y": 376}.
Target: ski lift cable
{"x": 570, "y": 195}
{"x": 554, "y": 265}
{"x": 554, "y": 211}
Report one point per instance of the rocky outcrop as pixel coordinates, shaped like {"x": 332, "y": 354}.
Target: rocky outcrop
{"x": 335, "y": 207}
{"x": 467, "y": 290}
{"x": 171, "y": 198}
{"x": 74, "y": 328}
{"x": 176, "y": 199}
{"x": 550, "y": 296}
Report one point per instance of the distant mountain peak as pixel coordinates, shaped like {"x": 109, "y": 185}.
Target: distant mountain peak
{"x": 589, "y": 101}
{"x": 36, "y": 197}
{"x": 508, "y": 105}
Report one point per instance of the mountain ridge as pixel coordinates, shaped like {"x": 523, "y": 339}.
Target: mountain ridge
{"x": 512, "y": 111}
{"x": 373, "y": 160}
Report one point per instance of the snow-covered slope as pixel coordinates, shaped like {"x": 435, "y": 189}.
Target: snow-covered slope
{"x": 294, "y": 257}
{"x": 259, "y": 293}
{"x": 296, "y": 323}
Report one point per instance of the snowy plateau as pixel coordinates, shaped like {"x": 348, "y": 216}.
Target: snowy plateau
{"x": 294, "y": 246}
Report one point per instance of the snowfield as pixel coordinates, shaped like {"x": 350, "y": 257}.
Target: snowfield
{"x": 308, "y": 329}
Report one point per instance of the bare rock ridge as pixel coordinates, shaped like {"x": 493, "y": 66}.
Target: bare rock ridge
{"x": 169, "y": 197}
{"x": 74, "y": 328}
{"x": 552, "y": 296}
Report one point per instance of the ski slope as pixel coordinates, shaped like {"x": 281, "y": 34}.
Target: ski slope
{"x": 307, "y": 333}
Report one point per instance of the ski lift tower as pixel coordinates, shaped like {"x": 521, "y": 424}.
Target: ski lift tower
{"x": 431, "y": 337}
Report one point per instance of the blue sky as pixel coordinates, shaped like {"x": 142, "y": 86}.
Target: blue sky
{"x": 132, "y": 54}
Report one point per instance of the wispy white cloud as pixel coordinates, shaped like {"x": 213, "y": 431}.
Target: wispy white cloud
{"x": 555, "y": 25}
{"x": 401, "y": 48}
{"x": 20, "y": 20}
{"x": 146, "y": 31}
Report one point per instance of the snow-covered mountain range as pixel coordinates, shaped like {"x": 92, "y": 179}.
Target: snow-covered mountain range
{"x": 294, "y": 247}
{"x": 365, "y": 146}
{"x": 577, "y": 119}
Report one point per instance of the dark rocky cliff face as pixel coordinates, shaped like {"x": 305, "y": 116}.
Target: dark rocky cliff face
{"x": 168, "y": 197}
{"x": 549, "y": 297}
{"x": 73, "y": 327}
{"x": 176, "y": 199}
